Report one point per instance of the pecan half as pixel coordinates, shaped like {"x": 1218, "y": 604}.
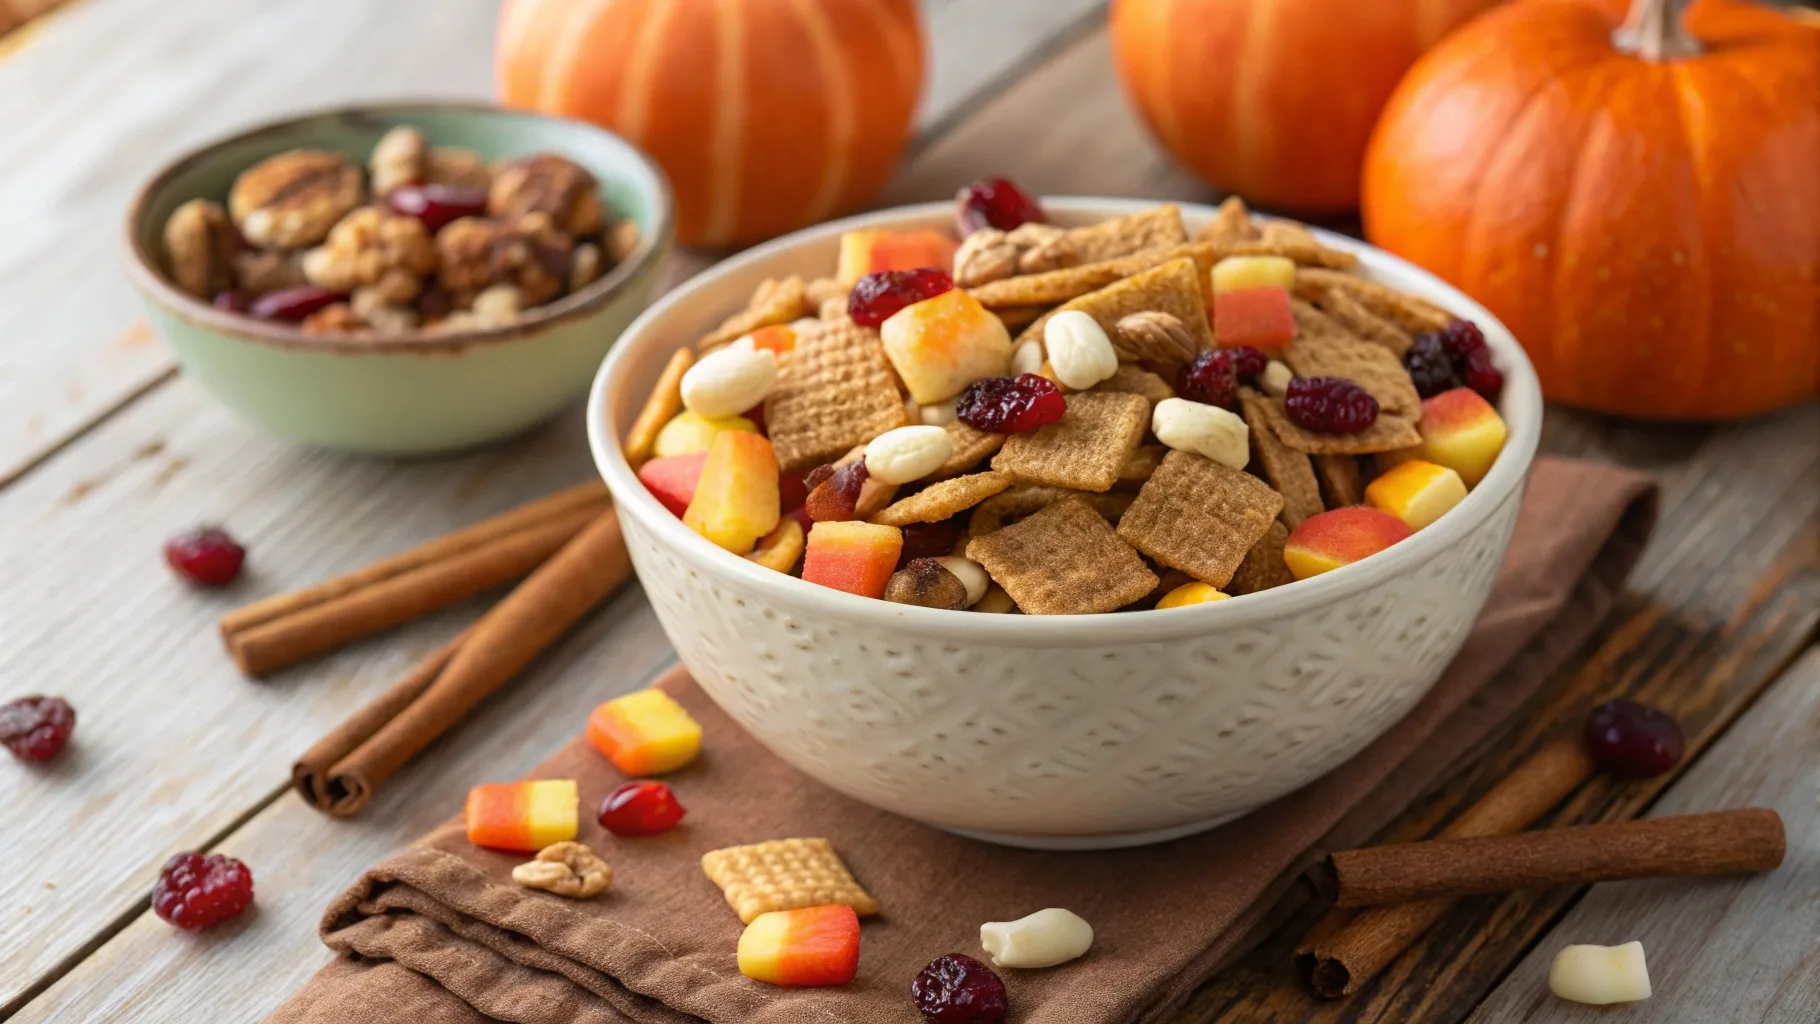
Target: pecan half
{"x": 1158, "y": 340}
{"x": 550, "y": 184}
{"x": 401, "y": 157}
{"x": 986, "y": 255}
{"x": 374, "y": 247}
{"x": 566, "y": 869}
{"x": 200, "y": 245}
{"x": 476, "y": 253}
{"x": 291, "y": 200}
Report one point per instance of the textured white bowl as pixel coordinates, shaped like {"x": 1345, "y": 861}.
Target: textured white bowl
{"x": 1058, "y": 732}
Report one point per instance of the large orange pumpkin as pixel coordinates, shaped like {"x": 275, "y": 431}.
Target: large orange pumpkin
{"x": 766, "y": 114}
{"x": 1639, "y": 203}
{"x": 1273, "y": 99}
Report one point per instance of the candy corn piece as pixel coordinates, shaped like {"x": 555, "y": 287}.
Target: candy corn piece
{"x": 796, "y": 948}
{"x": 1416, "y": 492}
{"x": 1189, "y": 594}
{"x": 671, "y": 479}
{"x": 869, "y": 250}
{"x": 644, "y": 733}
{"x": 525, "y": 816}
{"x": 1259, "y": 317}
{"x": 851, "y": 556}
{"x": 736, "y": 496}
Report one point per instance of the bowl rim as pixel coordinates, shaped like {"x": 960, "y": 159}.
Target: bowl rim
{"x": 144, "y": 266}
{"x": 1521, "y": 402}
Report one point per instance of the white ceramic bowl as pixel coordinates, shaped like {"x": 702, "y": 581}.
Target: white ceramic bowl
{"x": 1058, "y": 732}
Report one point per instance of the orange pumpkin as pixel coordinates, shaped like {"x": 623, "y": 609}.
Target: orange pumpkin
{"x": 1640, "y": 203}
{"x": 766, "y": 115}
{"x": 1273, "y": 99}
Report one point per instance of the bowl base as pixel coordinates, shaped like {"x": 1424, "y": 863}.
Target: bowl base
{"x": 1110, "y": 841}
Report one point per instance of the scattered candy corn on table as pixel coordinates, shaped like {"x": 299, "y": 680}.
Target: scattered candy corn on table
{"x": 105, "y": 451}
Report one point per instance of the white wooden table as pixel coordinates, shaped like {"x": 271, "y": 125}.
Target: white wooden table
{"x": 105, "y": 450}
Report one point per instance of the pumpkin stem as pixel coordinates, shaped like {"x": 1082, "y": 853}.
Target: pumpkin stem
{"x": 1652, "y": 30}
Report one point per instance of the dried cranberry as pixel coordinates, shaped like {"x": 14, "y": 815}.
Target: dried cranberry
{"x": 1632, "y": 740}
{"x": 957, "y": 989}
{"x": 294, "y": 304}
{"x": 1010, "y": 405}
{"x": 791, "y": 492}
{"x": 814, "y": 477}
{"x": 1430, "y": 367}
{"x": 929, "y": 540}
{"x": 1247, "y": 362}
{"x": 1215, "y": 375}
{"x": 231, "y": 302}
{"x": 194, "y": 891}
{"x": 206, "y": 555}
{"x": 876, "y": 296}
{"x": 1331, "y": 405}
{"x": 642, "y": 808}
{"x": 1482, "y": 376}
{"x": 994, "y": 203}
{"x": 1462, "y": 338}
{"x": 36, "y": 728}
{"x": 437, "y": 205}
{"x": 834, "y": 499}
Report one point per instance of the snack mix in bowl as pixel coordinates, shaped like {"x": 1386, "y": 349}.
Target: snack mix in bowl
{"x": 425, "y": 237}
{"x": 1062, "y": 421}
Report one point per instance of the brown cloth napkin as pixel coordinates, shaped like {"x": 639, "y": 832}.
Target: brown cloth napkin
{"x": 439, "y": 934}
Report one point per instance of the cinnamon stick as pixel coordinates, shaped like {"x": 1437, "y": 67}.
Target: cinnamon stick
{"x": 391, "y": 730}
{"x": 270, "y": 634}
{"x": 1347, "y": 948}
{"x": 1721, "y": 843}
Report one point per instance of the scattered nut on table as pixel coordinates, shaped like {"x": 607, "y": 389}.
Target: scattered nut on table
{"x": 1043, "y": 939}
{"x": 1600, "y": 975}
{"x": 567, "y": 869}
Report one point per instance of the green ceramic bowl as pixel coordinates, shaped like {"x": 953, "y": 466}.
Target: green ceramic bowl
{"x": 414, "y": 393}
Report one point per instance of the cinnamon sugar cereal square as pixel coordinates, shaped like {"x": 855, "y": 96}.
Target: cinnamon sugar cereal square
{"x": 1133, "y": 380}
{"x": 1174, "y": 288}
{"x": 1157, "y": 228}
{"x": 1285, "y": 469}
{"x": 1323, "y": 348}
{"x": 1263, "y": 566}
{"x": 1057, "y": 286}
{"x": 834, "y": 390}
{"x": 971, "y": 447}
{"x": 945, "y": 498}
{"x": 1342, "y": 482}
{"x": 1198, "y": 516}
{"x": 1063, "y": 560}
{"x": 1352, "y": 315}
{"x": 1231, "y": 223}
{"x": 1406, "y": 311}
{"x": 785, "y": 874}
{"x": 774, "y": 302}
{"x": 1014, "y": 503}
{"x": 1387, "y": 434}
{"x": 1084, "y": 449}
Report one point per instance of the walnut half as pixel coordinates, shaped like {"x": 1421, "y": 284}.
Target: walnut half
{"x": 372, "y": 247}
{"x": 566, "y": 869}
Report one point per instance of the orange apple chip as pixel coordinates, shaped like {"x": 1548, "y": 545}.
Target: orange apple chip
{"x": 834, "y": 390}
{"x": 1084, "y": 449}
{"x": 1063, "y": 560}
{"x": 1199, "y": 516}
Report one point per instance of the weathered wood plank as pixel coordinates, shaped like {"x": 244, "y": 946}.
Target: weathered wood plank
{"x": 83, "y": 134}
{"x": 300, "y": 859}
{"x": 1733, "y": 949}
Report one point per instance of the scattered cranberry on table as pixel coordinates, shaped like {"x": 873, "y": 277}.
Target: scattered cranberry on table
{"x": 994, "y": 203}
{"x": 36, "y": 728}
{"x": 436, "y": 205}
{"x": 1633, "y": 741}
{"x": 876, "y": 296}
{"x": 206, "y": 556}
{"x": 1010, "y": 405}
{"x": 642, "y": 808}
{"x": 957, "y": 989}
{"x": 1330, "y": 405}
{"x": 195, "y": 892}
{"x": 294, "y": 305}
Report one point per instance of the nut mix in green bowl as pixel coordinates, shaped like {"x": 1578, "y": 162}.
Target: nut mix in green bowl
{"x": 400, "y": 280}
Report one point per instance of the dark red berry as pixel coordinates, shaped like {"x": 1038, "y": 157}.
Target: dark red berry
{"x": 36, "y": 728}
{"x": 791, "y": 492}
{"x": 1215, "y": 375}
{"x": 642, "y": 808}
{"x": 205, "y": 555}
{"x": 879, "y": 295}
{"x": 1633, "y": 741}
{"x": 1482, "y": 376}
{"x": 231, "y": 302}
{"x": 834, "y": 499}
{"x": 1430, "y": 367}
{"x": 929, "y": 540}
{"x": 1247, "y": 362}
{"x": 1330, "y": 405}
{"x": 957, "y": 989}
{"x": 814, "y": 477}
{"x": 294, "y": 304}
{"x": 1462, "y": 338}
{"x": 437, "y": 205}
{"x": 1010, "y": 405}
{"x": 194, "y": 891}
{"x": 994, "y": 203}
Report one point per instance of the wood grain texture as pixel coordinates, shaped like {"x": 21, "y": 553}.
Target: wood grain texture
{"x": 1744, "y": 949}
{"x": 301, "y": 859}
{"x": 83, "y": 134}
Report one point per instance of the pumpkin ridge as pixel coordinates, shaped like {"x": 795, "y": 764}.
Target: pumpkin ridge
{"x": 633, "y": 108}
{"x": 1699, "y": 163}
{"x": 727, "y": 130}
{"x": 843, "y": 120}
{"x": 1248, "y": 78}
